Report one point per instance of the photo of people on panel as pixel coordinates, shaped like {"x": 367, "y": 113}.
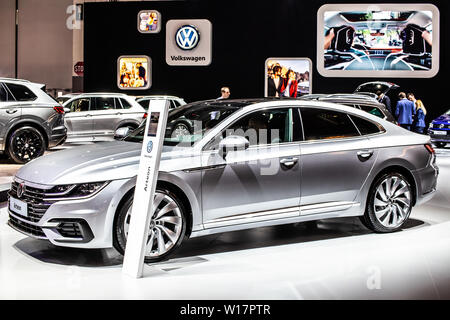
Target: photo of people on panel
{"x": 287, "y": 77}
{"x": 133, "y": 72}
{"x": 148, "y": 21}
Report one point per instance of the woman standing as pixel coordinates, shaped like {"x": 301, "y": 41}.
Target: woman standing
{"x": 419, "y": 124}
{"x": 290, "y": 86}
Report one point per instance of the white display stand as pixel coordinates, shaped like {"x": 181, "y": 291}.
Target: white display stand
{"x": 142, "y": 210}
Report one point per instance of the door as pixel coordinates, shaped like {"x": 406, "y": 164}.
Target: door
{"x": 335, "y": 159}
{"x": 105, "y": 116}
{"x": 259, "y": 183}
{"x": 79, "y": 120}
{"x": 9, "y": 112}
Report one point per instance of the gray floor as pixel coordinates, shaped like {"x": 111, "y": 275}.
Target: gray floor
{"x": 332, "y": 259}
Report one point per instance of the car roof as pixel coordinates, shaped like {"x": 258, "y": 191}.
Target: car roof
{"x": 84, "y": 94}
{"x": 157, "y": 97}
{"x": 367, "y": 98}
{"x": 22, "y": 81}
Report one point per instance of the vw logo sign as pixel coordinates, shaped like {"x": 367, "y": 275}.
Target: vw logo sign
{"x": 20, "y": 190}
{"x": 187, "y": 37}
{"x": 149, "y": 146}
{"x": 441, "y": 126}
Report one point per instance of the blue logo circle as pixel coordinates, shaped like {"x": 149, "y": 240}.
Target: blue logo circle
{"x": 149, "y": 146}
{"x": 187, "y": 37}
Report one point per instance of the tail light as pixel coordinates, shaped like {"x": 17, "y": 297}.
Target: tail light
{"x": 59, "y": 109}
{"x": 430, "y": 148}
{"x": 145, "y": 116}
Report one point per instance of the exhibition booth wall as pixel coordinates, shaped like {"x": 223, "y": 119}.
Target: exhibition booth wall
{"x": 237, "y": 42}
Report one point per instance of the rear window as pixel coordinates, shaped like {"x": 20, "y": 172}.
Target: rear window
{"x": 21, "y": 93}
{"x": 326, "y": 124}
{"x": 372, "y": 110}
{"x": 365, "y": 126}
{"x": 125, "y": 103}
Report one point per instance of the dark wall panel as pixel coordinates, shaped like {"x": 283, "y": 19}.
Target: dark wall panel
{"x": 7, "y": 37}
{"x": 245, "y": 34}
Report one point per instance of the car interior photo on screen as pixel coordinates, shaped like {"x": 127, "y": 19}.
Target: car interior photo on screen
{"x": 378, "y": 40}
{"x": 206, "y": 151}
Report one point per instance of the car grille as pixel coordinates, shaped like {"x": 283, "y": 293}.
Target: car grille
{"x": 26, "y": 227}
{"x": 34, "y": 198}
{"x": 70, "y": 230}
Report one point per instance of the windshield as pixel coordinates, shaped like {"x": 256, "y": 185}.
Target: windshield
{"x": 188, "y": 124}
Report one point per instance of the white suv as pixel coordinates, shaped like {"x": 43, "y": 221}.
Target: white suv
{"x": 96, "y": 116}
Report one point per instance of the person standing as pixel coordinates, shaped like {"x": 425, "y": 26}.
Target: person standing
{"x": 275, "y": 82}
{"x": 419, "y": 121}
{"x": 384, "y": 99}
{"x": 225, "y": 93}
{"x": 290, "y": 85}
{"x": 405, "y": 111}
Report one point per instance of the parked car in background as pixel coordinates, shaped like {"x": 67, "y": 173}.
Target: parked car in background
{"x": 96, "y": 116}
{"x": 241, "y": 170}
{"x": 174, "y": 102}
{"x": 31, "y": 121}
{"x": 439, "y": 130}
{"x": 365, "y": 102}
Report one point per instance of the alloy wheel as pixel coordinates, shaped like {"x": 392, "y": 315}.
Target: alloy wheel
{"x": 166, "y": 225}
{"x": 26, "y": 145}
{"x": 392, "y": 202}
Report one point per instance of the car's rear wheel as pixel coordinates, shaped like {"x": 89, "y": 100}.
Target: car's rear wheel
{"x": 440, "y": 144}
{"x": 167, "y": 227}
{"x": 25, "y": 144}
{"x": 389, "y": 203}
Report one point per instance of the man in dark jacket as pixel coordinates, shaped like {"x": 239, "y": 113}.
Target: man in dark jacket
{"x": 405, "y": 111}
{"x": 384, "y": 99}
{"x": 275, "y": 83}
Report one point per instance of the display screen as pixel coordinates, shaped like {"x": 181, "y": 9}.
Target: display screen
{"x": 149, "y": 21}
{"x": 381, "y": 38}
{"x": 287, "y": 77}
{"x": 153, "y": 127}
{"x": 133, "y": 72}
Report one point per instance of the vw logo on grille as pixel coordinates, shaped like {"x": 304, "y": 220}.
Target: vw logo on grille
{"x": 441, "y": 126}
{"x": 149, "y": 146}
{"x": 187, "y": 37}
{"x": 20, "y": 190}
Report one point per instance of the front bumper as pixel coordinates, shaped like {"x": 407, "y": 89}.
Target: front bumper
{"x": 84, "y": 223}
{"x": 439, "y": 137}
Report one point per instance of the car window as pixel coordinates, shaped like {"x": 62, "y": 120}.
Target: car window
{"x": 326, "y": 124}
{"x": 3, "y": 93}
{"x": 103, "y": 103}
{"x": 372, "y": 110}
{"x": 79, "y": 105}
{"x": 271, "y": 126}
{"x": 126, "y": 104}
{"x": 21, "y": 93}
{"x": 365, "y": 126}
{"x": 176, "y": 103}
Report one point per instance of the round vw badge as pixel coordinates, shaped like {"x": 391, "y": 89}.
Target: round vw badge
{"x": 149, "y": 146}
{"x": 187, "y": 37}
{"x": 20, "y": 190}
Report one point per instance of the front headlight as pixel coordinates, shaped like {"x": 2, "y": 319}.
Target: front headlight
{"x": 74, "y": 191}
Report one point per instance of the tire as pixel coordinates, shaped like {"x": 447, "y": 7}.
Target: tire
{"x": 25, "y": 144}
{"x": 388, "y": 209}
{"x": 130, "y": 127}
{"x": 440, "y": 144}
{"x": 177, "y": 231}
{"x": 180, "y": 129}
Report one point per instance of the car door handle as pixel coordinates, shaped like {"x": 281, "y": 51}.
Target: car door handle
{"x": 88, "y": 115}
{"x": 365, "y": 154}
{"x": 11, "y": 111}
{"x": 289, "y": 162}
{"x": 118, "y": 113}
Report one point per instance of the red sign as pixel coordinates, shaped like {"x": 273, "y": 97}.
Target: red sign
{"x": 79, "y": 68}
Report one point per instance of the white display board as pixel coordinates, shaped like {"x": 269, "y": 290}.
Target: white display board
{"x": 142, "y": 209}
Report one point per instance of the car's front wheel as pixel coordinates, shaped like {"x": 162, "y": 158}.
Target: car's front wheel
{"x": 389, "y": 203}
{"x": 167, "y": 226}
{"x": 25, "y": 144}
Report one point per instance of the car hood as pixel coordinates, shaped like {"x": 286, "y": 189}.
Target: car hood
{"x": 445, "y": 118}
{"x": 99, "y": 162}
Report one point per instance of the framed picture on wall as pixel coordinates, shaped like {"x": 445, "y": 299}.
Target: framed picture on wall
{"x": 287, "y": 77}
{"x": 378, "y": 40}
{"x": 149, "y": 21}
{"x": 134, "y": 72}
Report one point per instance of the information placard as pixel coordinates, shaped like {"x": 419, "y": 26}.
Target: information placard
{"x": 142, "y": 210}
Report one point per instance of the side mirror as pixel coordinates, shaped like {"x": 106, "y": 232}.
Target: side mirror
{"x": 232, "y": 143}
{"x": 121, "y": 133}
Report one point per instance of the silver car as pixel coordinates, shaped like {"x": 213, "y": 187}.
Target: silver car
{"x": 96, "y": 116}
{"x": 30, "y": 120}
{"x": 248, "y": 163}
